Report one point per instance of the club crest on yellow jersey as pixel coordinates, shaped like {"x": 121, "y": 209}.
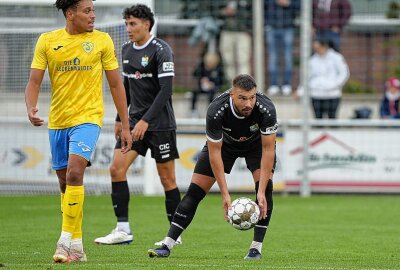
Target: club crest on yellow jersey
{"x": 87, "y": 46}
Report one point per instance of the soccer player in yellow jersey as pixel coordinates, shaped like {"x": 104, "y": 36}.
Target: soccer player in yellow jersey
{"x": 75, "y": 57}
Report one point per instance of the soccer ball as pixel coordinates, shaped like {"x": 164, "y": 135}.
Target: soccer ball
{"x": 243, "y": 214}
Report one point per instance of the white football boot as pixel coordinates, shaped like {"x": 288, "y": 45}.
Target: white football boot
{"x": 116, "y": 237}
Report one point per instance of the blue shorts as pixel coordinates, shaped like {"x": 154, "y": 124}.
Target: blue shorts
{"x": 79, "y": 140}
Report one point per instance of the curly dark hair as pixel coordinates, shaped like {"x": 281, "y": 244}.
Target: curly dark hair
{"x": 244, "y": 81}
{"x": 64, "y": 5}
{"x": 139, "y": 11}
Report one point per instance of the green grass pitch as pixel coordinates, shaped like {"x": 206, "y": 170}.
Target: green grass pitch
{"x": 317, "y": 233}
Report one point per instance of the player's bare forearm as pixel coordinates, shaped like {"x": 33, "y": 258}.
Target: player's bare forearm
{"x": 32, "y": 95}
{"x": 119, "y": 97}
{"x": 118, "y": 93}
{"x": 120, "y": 104}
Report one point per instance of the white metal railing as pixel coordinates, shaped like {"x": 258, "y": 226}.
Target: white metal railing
{"x": 201, "y": 122}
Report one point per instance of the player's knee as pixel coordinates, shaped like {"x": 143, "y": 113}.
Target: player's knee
{"x": 196, "y": 192}
{"x": 188, "y": 206}
{"x": 192, "y": 198}
{"x": 116, "y": 172}
{"x": 74, "y": 176}
{"x": 167, "y": 181}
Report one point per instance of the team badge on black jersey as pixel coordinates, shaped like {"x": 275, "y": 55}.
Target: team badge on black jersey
{"x": 254, "y": 127}
{"x": 145, "y": 61}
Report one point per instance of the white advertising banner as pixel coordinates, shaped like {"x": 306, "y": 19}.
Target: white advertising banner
{"x": 25, "y": 159}
{"x": 345, "y": 159}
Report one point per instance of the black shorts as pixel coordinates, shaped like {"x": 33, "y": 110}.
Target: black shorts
{"x": 251, "y": 154}
{"x": 162, "y": 145}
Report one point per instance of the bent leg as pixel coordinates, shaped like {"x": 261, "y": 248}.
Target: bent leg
{"x": 261, "y": 227}
{"x": 186, "y": 210}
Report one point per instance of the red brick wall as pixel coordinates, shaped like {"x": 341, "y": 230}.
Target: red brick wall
{"x": 371, "y": 57}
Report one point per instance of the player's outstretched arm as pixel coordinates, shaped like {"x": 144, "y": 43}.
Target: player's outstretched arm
{"x": 119, "y": 97}
{"x": 217, "y": 166}
{"x": 32, "y": 95}
{"x": 267, "y": 163}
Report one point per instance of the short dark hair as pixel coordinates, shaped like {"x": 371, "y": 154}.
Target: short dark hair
{"x": 64, "y": 5}
{"x": 244, "y": 81}
{"x": 139, "y": 11}
{"x": 324, "y": 42}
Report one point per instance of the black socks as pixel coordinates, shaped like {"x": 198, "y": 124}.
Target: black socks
{"x": 261, "y": 228}
{"x": 172, "y": 200}
{"x": 186, "y": 210}
{"x": 120, "y": 199}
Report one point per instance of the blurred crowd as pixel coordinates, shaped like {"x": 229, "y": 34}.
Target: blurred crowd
{"x": 225, "y": 27}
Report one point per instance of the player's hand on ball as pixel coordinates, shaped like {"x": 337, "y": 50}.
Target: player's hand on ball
{"x": 243, "y": 214}
{"x": 262, "y": 204}
{"x": 33, "y": 118}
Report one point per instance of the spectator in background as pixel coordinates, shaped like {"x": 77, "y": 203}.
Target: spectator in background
{"x": 210, "y": 77}
{"x": 190, "y": 9}
{"x": 235, "y": 38}
{"x": 389, "y": 108}
{"x": 328, "y": 72}
{"x": 329, "y": 18}
{"x": 279, "y": 16}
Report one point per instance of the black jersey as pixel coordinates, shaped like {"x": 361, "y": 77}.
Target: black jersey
{"x": 223, "y": 123}
{"x": 143, "y": 66}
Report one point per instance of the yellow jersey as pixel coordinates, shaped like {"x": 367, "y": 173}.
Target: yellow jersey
{"x": 75, "y": 64}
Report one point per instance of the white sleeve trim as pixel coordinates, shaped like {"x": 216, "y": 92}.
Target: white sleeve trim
{"x": 166, "y": 74}
{"x": 213, "y": 140}
{"x": 270, "y": 130}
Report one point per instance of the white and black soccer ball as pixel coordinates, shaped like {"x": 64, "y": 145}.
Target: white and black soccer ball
{"x": 243, "y": 214}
